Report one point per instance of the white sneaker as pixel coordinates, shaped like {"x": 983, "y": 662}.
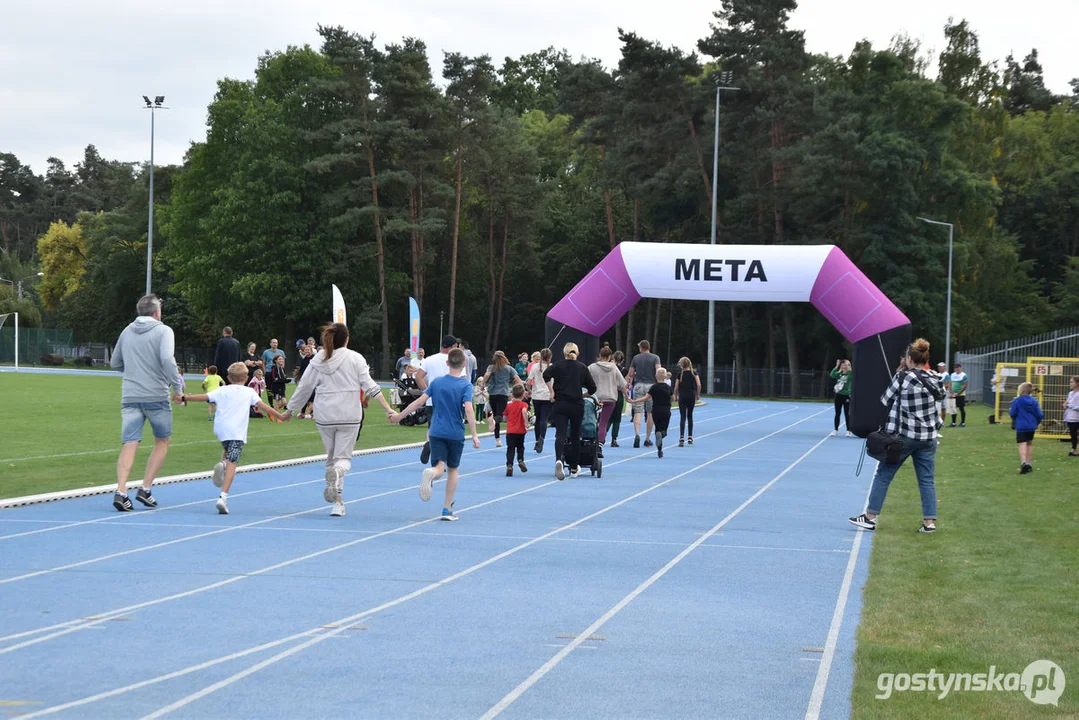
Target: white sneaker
{"x": 850, "y": 434}
{"x": 338, "y": 510}
{"x": 559, "y": 470}
{"x": 334, "y": 481}
{"x": 835, "y": 433}
{"x": 219, "y": 474}
{"x": 425, "y": 484}
{"x": 498, "y": 443}
{"x": 576, "y": 472}
{"x": 222, "y": 506}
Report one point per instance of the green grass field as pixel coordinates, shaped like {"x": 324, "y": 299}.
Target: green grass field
{"x": 996, "y": 585}
{"x": 61, "y": 432}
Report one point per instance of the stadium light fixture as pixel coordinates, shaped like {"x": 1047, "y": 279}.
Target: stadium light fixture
{"x": 723, "y": 80}
{"x": 157, "y": 104}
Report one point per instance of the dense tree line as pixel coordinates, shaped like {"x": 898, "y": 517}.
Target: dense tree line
{"x": 487, "y": 196}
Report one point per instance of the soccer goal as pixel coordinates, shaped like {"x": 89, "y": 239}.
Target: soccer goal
{"x": 3, "y": 319}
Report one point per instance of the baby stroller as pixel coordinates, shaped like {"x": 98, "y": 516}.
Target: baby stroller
{"x": 591, "y": 455}
{"x": 407, "y": 391}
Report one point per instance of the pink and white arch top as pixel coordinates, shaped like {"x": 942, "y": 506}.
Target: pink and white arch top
{"x": 820, "y": 274}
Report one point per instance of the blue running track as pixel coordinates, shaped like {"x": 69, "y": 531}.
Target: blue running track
{"x": 722, "y": 580}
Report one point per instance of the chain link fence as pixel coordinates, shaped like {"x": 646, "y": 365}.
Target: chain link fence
{"x": 981, "y": 363}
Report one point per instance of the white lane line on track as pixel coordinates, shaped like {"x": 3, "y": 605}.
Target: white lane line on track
{"x": 820, "y": 685}
{"x": 583, "y": 636}
{"x": 342, "y": 623}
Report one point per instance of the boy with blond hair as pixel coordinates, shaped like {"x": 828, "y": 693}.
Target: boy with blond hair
{"x": 1027, "y": 414}
{"x": 450, "y": 394}
{"x": 233, "y": 402}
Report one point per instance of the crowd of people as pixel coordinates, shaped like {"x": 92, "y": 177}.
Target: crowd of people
{"x": 538, "y": 391}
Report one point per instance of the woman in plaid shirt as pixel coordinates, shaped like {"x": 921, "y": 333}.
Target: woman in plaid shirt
{"x": 913, "y": 400}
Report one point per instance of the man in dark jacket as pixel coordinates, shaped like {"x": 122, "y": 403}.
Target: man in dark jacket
{"x": 226, "y": 353}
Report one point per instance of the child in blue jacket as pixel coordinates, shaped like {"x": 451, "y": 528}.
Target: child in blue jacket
{"x": 1027, "y": 414}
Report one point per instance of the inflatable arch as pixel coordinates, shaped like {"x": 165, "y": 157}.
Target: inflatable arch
{"x": 819, "y": 274}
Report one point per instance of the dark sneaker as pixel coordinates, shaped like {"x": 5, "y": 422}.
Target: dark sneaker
{"x": 690, "y": 440}
{"x": 636, "y": 441}
{"x": 521, "y": 464}
{"x": 930, "y": 528}
{"x": 599, "y": 451}
{"x": 1026, "y": 468}
{"x": 681, "y": 442}
{"x": 953, "y": 425}
{"x": 146, "y": 498}
{"x": 864, "y": 521}
{"x": 614, "y": 443}
{"x": 962, "y": 424}
{"x": 648, "y": 443}
{"x": 425, "y": 454}
{"x": 122, "y": 502}
{"x": 659, "y": 452}
{"x": 539, "y": 447}
{"x": 509, "y": 471}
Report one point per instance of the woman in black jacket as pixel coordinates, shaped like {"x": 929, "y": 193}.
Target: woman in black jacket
{"x": 569, "y": 377}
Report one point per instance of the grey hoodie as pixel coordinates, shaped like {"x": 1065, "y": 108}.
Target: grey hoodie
{"x": 338, "y": 381}
{"x": 144, "y": 354}
{"x": 608, "y": 379}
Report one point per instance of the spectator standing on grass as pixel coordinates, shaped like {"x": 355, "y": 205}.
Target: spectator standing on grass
{"x": 912, "y": 399}
{"x": 844, "y": 383}
{"x": 1071, "y": 416}
{"x": 642, "y": 375}
{"x": 211, "y": 382}
{"x": 1027, "y": 414}
{"x": 226, "y": 352}
{"x": 144, "y": 354}
{"x": 338, "y": 374}
{"x": 251, "y": 360}
{"x": 270, "y": 354}
{"x": 521, "y": 368}
{"x": 957, "y": 386}
{"x": 275, "y": 383}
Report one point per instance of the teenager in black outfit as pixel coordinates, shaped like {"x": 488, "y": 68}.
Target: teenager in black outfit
{"x": 687, "y": 388}
{"x": 620, "y": 403}
{"x": 660, "y": 395}
{"x": 569, "y": 377}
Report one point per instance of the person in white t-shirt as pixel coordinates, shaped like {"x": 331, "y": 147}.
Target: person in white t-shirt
{"x": 434, "y": 366}
{"x": 234, "y": 402}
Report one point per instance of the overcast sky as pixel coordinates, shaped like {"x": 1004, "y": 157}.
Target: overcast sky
{"x": 73, "y": 72}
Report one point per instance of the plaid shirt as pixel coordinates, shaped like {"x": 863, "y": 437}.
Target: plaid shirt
{"x": 919, "y": 407}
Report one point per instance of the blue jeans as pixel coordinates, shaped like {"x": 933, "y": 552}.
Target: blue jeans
{"x": 924, "y": 453}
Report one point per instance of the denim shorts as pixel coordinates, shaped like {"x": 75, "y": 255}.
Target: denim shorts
{"x": 134, "y": 415}
{"x": 446, "y": 450}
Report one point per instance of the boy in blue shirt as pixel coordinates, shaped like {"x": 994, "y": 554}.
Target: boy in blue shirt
{"x": 1027, "y": 414}
{"x": 450, "y": 394}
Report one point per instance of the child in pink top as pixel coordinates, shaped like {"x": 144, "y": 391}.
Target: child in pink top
{"x": 1071, "y": 416}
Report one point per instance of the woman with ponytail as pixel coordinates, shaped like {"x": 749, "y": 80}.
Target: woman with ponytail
{"x": 569, "y": 376}
{"x": 338, "y": 374}
{"x": 541, "y": 395}
{"x": 912, "y": 400}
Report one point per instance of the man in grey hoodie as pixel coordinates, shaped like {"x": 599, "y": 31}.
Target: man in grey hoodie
{"x": 144, "y": 354}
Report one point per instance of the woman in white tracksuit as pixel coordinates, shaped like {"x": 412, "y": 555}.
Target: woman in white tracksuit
{"x": 338, "y": 374}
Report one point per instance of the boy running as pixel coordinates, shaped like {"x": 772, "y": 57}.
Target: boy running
{"x": 234, "y": 402}
{"x": 449, "y": 393}
{"x": 516, "y": 429}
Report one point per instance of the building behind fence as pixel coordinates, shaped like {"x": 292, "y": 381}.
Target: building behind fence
{"x": 981, "y": 363}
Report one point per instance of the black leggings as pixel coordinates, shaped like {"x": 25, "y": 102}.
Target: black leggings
{"x": 961, "y": 409}
{"x": 567, "y": 445}
{"x": 515, "y": 444}
{"x": 543, "y": 414}
{"x": 498, "y": 409}
{"x": 685, "y": 412}
{"x": 1073, "y": 429}
{"x": 616, "y": 419}
{"x": 842, "y": 401}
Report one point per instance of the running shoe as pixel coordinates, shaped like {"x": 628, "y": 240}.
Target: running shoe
{"x": 146, "y": 498}
{"x": 930, "y": 528}
{"x": 219, "y": 474}
{"x": 222, "y": 506}
{"x": 332, "y": 492}
{"x": 498, "y": 442}
{"x": 448, "y": 515}
{"x": 122, "y": 502}
{"x": 521, "y": 464}
{"x": 425, "y": 484}
{"x": 850, "y": 434}
{"x": 864, "y": 521}
{"x": 648, "y": 442}
{"x": 338, "y": 510}
{"x": 425, "y": 454}
{"x": 559, "y": 470}
{"x": 681, "y": 442}
{"x": 689, "y": 440}
{"x": 636, "y": 441}
{"x": 574, "y": 472}
{"x": 509, "y": 471}
{"x": 614, "y": 443}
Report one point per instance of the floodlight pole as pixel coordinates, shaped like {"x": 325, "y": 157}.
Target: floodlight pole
{"x": 948, "y": 319}
{"x": 156, "y": 105}
{"x": 723, "y": 79}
